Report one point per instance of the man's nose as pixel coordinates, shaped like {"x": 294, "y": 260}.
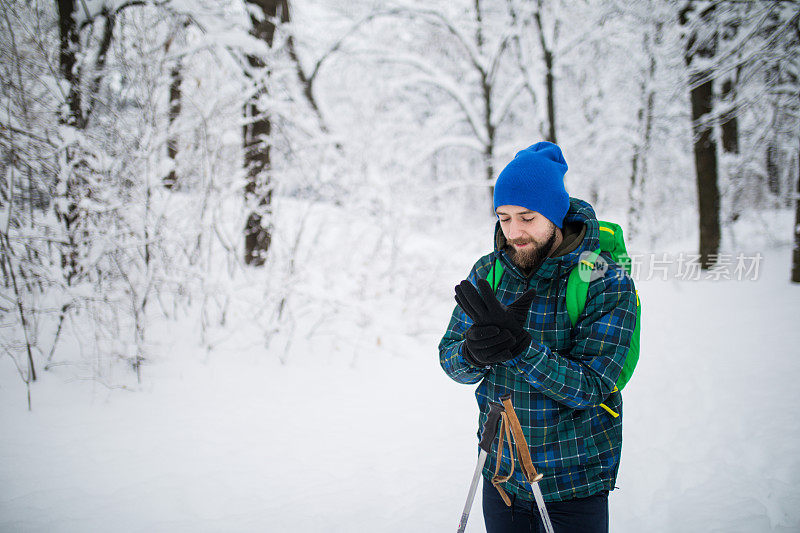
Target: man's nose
{"x": 515, "y": 230}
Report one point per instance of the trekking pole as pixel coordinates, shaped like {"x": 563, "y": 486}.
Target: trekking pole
{"x": 528, "y": 470}
{"x": 487, "y": 437}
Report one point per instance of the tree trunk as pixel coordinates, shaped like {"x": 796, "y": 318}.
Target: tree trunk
{"x": 486, "y": 89}
{"x": 730, "y": 125}
{"x": 549, "y": 78}
{"x": 258, "y": 191}
{"x": 730, "y": 147}
{"x": 175, "y": 95}
{"x": 72, "y": 115}
{"x": 67, "y": 58}
{"x": 702, "y": 43}
{"x": 551, "y": 97}
{"x": 645, "y": 116}
{"x": 176, "y": 80}
{"x": 773, "y": 171}
{"x": 705, "y": 160}
{"x": 728, "y": 94}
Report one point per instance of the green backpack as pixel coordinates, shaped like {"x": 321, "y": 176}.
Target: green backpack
{"x": 578, "y": 288}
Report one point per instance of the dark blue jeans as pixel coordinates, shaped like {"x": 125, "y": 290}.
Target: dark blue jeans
{"x": 581, "y": 515}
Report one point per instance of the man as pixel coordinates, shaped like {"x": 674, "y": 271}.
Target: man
{"x": 557, "y": 374}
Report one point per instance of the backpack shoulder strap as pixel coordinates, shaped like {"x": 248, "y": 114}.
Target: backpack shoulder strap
{"x": 611, "y": 241}
{"x": 578, "y": 286}
{"x": 495, "y": 274}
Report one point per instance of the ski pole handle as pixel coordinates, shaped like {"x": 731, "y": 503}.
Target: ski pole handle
{"x": 490, "y": 426}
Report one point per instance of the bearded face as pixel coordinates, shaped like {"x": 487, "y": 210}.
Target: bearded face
{"x": 528, "y": 253}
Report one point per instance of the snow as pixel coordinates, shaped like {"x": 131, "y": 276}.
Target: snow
{"x": 375, "y": 437}
{"x": 238, "y": 446}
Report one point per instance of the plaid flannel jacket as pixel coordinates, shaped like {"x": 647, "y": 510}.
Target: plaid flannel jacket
{"x": 557, "y": 384}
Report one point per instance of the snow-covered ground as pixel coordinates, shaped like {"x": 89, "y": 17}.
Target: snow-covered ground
{"x": 379, "y": 439}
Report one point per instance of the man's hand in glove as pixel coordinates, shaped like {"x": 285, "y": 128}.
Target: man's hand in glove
{"x": 485, "y": 310}
{"x": 487, "y": 345}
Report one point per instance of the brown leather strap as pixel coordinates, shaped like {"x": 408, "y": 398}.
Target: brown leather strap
{"x": 497, "y": 479}
{"x": 509, "y": 425}
{"x": 523, "y": 453}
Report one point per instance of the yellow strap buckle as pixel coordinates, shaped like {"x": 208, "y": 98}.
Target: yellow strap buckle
{"x": 608, "y": 409}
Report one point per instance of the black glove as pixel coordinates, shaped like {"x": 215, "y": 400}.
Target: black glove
{"x": 487, "y": 345}
{"x": 486, "y": 310}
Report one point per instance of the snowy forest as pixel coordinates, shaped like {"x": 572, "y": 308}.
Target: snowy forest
{"x": 299, "y": 184}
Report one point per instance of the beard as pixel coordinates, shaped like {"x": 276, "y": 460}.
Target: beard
{"x": 530, "y": 258}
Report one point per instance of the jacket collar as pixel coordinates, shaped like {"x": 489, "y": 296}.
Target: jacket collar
{"x": 579, "y": 212}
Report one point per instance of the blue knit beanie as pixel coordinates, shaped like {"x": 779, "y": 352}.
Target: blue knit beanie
{"x": 534, "y": 179}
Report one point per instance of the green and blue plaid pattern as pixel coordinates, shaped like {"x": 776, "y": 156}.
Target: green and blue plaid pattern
{"x": 556, "y": 386}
